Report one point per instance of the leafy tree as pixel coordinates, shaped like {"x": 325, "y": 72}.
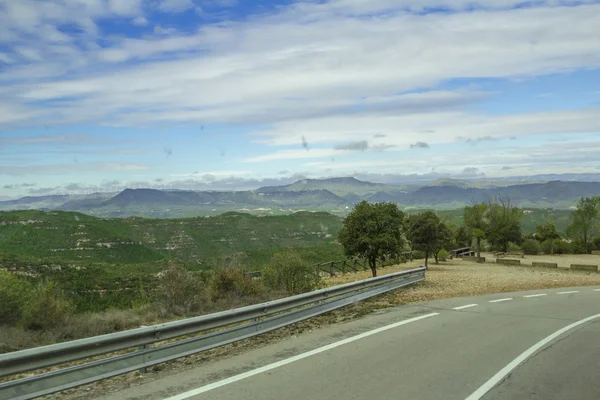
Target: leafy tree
{"x": 504, "y": 223}
{"x": 445, "y": 239}
{"x": 463, "y": 237}
{"x": 475, "y": 217}
{"x": 426, "y": 232}
{"x": 585, "y": 221}
{"x": 373, "y": 231}
{"x": 547, "y": 232}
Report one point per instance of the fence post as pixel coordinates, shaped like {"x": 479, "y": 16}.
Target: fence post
{"x": 344, "y": 267}
{"x": 331, "y": 269}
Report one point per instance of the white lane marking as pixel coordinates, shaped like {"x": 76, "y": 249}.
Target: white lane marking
{"x": 596, "y": 290}
{"x": 494, "y": 380}
{"x": 290, "y": 360}
{"x": 536, "y": 295}
{"x": 572, "y": 291}
{"x": 463, "y": 307}
{"x": 499, "y": 300}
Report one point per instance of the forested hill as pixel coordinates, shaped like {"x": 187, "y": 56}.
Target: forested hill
{"x": 70, "y": 236}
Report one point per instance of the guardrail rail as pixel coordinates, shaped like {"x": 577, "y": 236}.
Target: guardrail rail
{"x": 148, "y": 346}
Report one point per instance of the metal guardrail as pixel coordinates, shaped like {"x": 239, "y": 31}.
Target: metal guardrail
{"x": 256, "y": 319}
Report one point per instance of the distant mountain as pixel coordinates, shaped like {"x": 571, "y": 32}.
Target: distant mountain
{"x": 335, "y": 195}
{"x": 338, "y": 186}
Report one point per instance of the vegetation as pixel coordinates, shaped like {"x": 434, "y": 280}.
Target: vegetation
{"x": 476, "y": 223}
{"x": 373, "y": 232}
{"x": 585, "y": 221}
{"x": 547, "y": 233}
{"x": 427, "y": 233}
{"x": 288, "y": 272}
{"x": 503, "y": 223}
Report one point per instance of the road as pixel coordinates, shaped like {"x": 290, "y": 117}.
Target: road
{"x": 529, "y": 345}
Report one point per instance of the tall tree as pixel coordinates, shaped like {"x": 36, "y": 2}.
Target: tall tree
{"x": 462, "y": 237}
{"x": 475, "y": 217}
{"x": 445, "y": 239}
{"x": 373, "y": 231}
{"x": 424, "y": 232}
{"x": 547, "y": 232}
{"x": 585, "y": 221}
{"x": 504, "y": 222}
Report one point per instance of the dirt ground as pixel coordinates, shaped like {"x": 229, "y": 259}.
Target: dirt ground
{"x": 448, "y": 279}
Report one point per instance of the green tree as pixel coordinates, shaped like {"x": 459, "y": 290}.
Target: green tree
{"x": 504, "y": 223}
{"x": 445, "y": 239}
{"x": 585, "y": 221}
{"x": 475, "y": 217}
{"x": 425, "y": 233}
{"x": 374, "y": 232}
{"x": 547, "y": 232}
{"x": 463, "y": 237}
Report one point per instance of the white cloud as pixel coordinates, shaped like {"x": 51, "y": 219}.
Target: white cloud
{"x": 139, "y": 21}
{"x": 175, "y": 6}
{"x": 329, "y": 71}
{"x": 124, "y": 7}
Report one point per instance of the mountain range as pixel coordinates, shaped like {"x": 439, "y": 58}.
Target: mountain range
{"x": 335, "y": 195}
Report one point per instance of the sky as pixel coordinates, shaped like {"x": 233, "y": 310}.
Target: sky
{"x": 99, "y": 95}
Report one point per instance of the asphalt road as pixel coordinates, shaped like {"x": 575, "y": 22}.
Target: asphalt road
{"x": 529, "y": 345}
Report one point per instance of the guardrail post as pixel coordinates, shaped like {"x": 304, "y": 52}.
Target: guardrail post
{"x": 143, "y": 348}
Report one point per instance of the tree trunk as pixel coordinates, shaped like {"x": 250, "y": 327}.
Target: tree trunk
{"x": 426, "y": 257}
{"x": 478, "y": 249}
{"x": 552, "y": 247}
{"x": 435, "y": 256}
{"x": 373, "y": 265}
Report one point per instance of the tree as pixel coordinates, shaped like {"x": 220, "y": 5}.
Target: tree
{"x": 373, "y": 231}
{"x": 476, "y": 221}
{"x": 445, "y": 239}
{"x": 585, "y": 221}
{"x": 426, "y": 232}
{"x": 504, "y": 222}
{"x": 463, "y": 237}
{"x": 547, "y": 232}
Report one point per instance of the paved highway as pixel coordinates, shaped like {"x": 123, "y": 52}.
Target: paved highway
{"x": 528, "y": 345}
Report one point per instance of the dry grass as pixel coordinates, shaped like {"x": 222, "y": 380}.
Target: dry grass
{"x": 457, "y": 278}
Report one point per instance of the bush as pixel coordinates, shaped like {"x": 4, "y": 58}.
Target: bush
{"x": 562, "y": 247}
{"x": 531, "y": 247}
{"x": 14, "y": 293}
{"x": 180, "y": 291}
{"x": 287, "y": 271}
{"x": 46, "y": 308}
{"x": 596, "y": 243}
{"x": 513, "y": 248}
{"x": 418, "y": 254}
{"x": 229, "y": 281}
{"x": 443, "y": 255}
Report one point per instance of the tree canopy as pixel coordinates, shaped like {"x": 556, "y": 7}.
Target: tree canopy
{"x": 374, "y": 231}
{"x": 427, "y": 233}
{"x": 585, "y": 221}
{"x": 475, "y": 217}
{"x": 504, "y": 223}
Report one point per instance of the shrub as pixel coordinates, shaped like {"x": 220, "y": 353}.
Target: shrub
{"x": 14, "y": 293}
{"x": 596, "y": 243}
{"x": 531, "y": 247}
{"x": 180, "y": 291}
{"x": 418, "y": 254}
{"x": 287, "y": 271}
{"x": 443, "y": 255}
{"x": 47, "y": 307}
{"x": 513, "y": 248}
{"x": 562, "y": 247}
{"x": 230, "y": 281}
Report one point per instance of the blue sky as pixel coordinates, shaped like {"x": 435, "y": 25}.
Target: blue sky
{"x": 232, "y": 94}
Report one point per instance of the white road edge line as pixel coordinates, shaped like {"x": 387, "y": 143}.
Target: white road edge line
{"x": 494, "y": 380}
{"x": 499, "y": 300}
{"x": 463, "y": 307}
{"x": 290, "y": 360}
{"x": 572, "y": 291}
{"x": 536, "y": 295}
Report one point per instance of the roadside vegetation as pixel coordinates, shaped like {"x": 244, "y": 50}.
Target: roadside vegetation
{"x": 50, "y": 296}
